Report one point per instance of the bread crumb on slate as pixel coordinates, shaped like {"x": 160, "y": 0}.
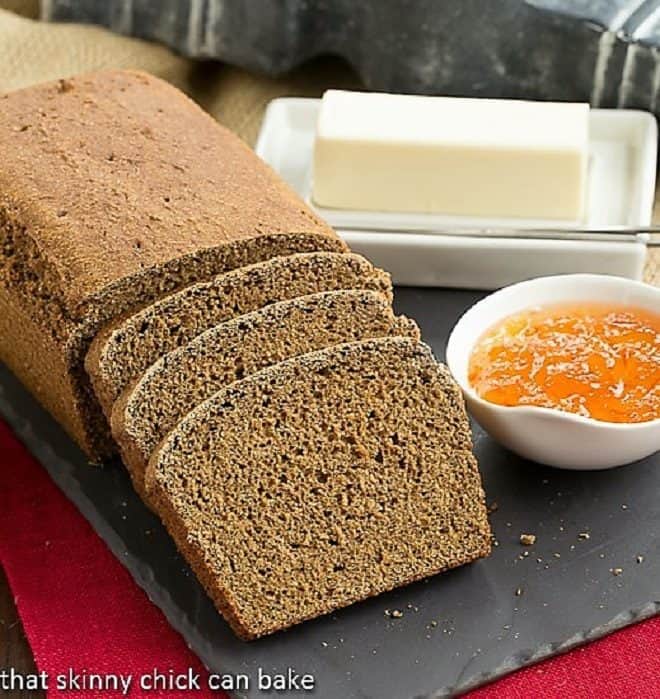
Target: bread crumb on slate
{"x": 528, "y": 539}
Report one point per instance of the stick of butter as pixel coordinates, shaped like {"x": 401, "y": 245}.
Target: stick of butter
{"x": 451, "y": 155}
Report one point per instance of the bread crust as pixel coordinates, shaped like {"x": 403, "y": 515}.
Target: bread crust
{"x": 116, "y": 173}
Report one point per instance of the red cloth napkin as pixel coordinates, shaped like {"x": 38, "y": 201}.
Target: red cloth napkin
{"x": 81, "y": 608}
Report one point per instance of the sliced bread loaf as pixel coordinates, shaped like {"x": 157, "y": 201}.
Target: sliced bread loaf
{"x": 321, "y": 481}
{"x": 116, "y": 189}
{"x": 148, "y": 409}
{"x": 125, "y": 349}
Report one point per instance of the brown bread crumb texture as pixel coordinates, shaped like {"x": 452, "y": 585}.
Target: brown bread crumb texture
{"x": 321, "y": 481}
{"x": 126, "y": 348}
{"x": 149, "y": 408}
{"x": 116, "y": 189}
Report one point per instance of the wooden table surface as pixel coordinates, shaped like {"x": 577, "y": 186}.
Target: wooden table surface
{"x": 14, "y": 649}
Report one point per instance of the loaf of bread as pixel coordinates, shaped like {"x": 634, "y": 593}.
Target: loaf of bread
{"x": 180, "y": 380}
{"x": 116, "y": 189}
{"x": 302, "y": 447}
{"x": 320, "y": 481}
{"x": 127, "y": 347}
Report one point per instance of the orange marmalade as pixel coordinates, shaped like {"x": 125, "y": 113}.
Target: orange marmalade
{"x": 596, "y": 360}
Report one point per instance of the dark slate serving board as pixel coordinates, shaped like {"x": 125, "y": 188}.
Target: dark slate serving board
{"x": 459, "y": 629}
{"x": 604, "y": 51}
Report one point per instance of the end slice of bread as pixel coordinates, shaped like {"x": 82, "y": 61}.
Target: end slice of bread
{"x": 150, "y": 407}
{"x": 122, "y": 351}
{"x": 321, "y": 481}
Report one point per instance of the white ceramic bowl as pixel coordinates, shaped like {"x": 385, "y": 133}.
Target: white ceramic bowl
{"x": 546, "y": 435}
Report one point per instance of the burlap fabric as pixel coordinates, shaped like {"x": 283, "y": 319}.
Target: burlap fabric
{"x": 32, "y": 52}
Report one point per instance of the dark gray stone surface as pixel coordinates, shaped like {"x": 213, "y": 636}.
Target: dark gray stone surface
{"x": 482, "y": 628}
{"x": 605, "y": 51}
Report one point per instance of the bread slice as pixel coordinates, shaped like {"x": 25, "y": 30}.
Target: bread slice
{"x": 125, "y": 349}
{"x": 148, "y": 409}
{"x": 116, "y": 189}
{"x": 322, "y": 480}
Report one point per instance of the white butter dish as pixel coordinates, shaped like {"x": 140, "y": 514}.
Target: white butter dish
{"x": 621, "y": 189}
